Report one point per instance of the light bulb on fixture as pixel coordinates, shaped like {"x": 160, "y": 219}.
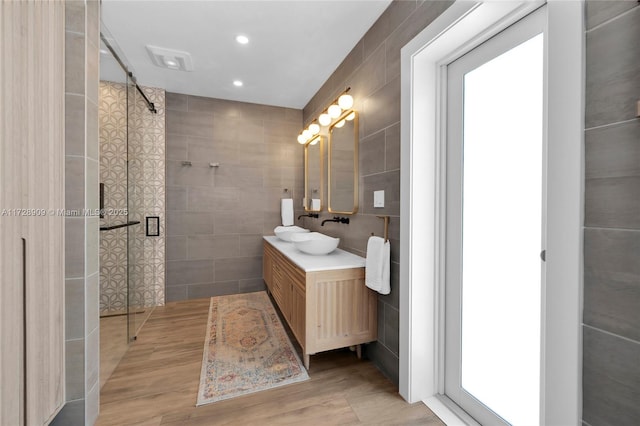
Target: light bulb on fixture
{"x": 334, "y": 111}
{"x": 350, "y": 116}
{"x": 314, "y": 128}
{"x": 307, "y": 134}
{"x": 345, "y": 101}
{"x": 301, "y": 140}
{"x": 315, "y": 141}
{"x": 339, "y": 124}
{"x": 324, "y": 119}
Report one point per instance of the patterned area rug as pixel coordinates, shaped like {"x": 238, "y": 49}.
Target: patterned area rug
{"x": 246, "y": 349}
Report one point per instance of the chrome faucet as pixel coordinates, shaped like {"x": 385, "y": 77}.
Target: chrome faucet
{"x": 336, "y": 219}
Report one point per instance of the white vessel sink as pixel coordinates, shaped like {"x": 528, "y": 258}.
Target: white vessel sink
{"x": 285, "y": 232}
{"x": 315, "y": 243}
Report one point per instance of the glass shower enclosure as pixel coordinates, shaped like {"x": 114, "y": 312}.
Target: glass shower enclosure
{"x": 123, "y": 107}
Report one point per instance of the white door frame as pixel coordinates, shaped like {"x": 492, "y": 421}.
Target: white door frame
{"x": 460, "y": 28}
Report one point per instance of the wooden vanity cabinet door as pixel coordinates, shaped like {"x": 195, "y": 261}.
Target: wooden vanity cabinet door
{"x": 298, "y": 313}
{"x": 267, "y": 266}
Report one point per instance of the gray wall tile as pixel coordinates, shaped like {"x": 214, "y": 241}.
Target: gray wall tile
{"x": 613, "y": 151}
{"x": 176, "y": 198}
{"x": 74, "y": 308}
{"x": 182, "y": 272}
{"x": 199, "y": 291}
{"x": 217, "y": 216}
{"x": 238, "y": 268}
{"x": 71, "y": 414}
{"x": 74, "y": 247}
{"x": 392, "y": 147}
{"x": 372, "y": 154}
{"x": 599, "y": 11}
{"x": 189, "y": 223}
{"x": 74, "y": 362}
{"x": 179, "y": 174}
{"x": 613, "y": 202}
{"x": 212, "y": 199}
{"x": 390, "y": 183}
{"x": 191, "y": 123}
{"x": 212, "y": 246}
{"x": 613, "y": 71}
{"x": 611, "y": 379}
{"x": 612, "y": 281}
{"x": 176, "y": 101}
{"x": 384, "y": 359}
{"x": 382, "y": 108}
{"x": 251, "y": 285}
{"x": 92, "y": 304}
{"x": 176, "y": 248}
{"x": 74, "y": 182}
{"x": 391, "y": 329}
{"x": 176, "y": 293}
{"x": 74, "y": 63}
{"x": 611, "y": 371}
{"x": 74, "y": 124}
{"x": 74, "y": 17}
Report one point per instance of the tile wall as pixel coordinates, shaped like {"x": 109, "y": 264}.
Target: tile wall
{"x": 611, "y": 330}
{"x": 82, "y": 24}
{"x": 216, "y": 216}
{"x": 372, "y": 70}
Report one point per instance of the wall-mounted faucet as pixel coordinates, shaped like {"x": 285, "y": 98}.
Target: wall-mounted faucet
{"x": 313, "y": 215}
{"x": 336, "y": 219}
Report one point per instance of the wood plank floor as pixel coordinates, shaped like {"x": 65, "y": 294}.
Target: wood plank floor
{"x": 156, "y": 383}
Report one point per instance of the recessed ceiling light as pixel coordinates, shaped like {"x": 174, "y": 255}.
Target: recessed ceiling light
{"x": 242, "y": 39}
{"x": 237, "y": 83}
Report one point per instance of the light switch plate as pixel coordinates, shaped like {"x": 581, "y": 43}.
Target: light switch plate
{"x": 378, "y": 198}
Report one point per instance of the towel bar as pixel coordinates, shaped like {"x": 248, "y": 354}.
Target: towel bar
{"x": 386, "y": 227}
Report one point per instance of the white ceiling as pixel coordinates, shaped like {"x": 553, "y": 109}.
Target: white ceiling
{"x": 294, "y": 45}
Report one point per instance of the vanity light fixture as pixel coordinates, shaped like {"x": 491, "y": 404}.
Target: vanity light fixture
{"x": 339, "y": 124}
{"x": 334, "y": 111}
{"x": 324, "y": 119}
{"x": 342, "y": 103}
{"x": 345, "y": 101}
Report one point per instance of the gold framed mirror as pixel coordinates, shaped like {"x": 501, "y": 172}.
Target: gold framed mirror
{"x": 343, "y": 164}
{"x": 314, "y": 174}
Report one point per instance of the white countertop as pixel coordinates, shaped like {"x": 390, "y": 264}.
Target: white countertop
{"x": 337, "y": 259}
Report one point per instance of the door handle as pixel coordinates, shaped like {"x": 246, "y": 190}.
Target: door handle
{"x": 543, "y": 255}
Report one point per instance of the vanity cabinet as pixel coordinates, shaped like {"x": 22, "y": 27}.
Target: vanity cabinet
{"x": 325, "y": 308}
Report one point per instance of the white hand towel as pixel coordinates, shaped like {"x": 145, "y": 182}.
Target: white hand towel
{"x": 286, "y": 211}
{"x": 377, "y": 274}
{"x": 315, "y": 204}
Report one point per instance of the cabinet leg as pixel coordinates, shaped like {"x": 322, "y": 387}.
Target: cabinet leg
{"x": 306, "y": 361}
{"x": 359, "y": 351}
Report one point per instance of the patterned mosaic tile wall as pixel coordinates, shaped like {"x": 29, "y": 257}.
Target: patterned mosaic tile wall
{"x": 146, "y": 196}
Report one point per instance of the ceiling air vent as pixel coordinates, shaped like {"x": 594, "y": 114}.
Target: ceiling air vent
{"x": 169, "y": 58}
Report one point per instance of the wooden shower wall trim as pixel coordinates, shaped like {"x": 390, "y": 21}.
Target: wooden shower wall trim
{"x": 32, "y": 180}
